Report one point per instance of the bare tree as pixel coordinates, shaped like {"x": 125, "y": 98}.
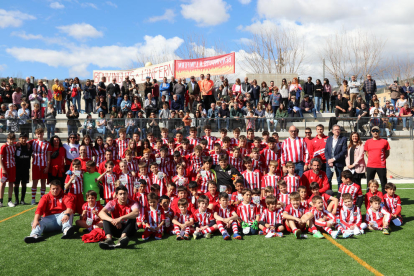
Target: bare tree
{"x": 397, "y": 68}
{"x": 352, "y": 53}
{"x": 155, "y": 58}
{"x": 274, "y": 50}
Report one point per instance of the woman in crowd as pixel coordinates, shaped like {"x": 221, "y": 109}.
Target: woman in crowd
{"x": 76, "y": 89}
{"x": 57, "y": 160}
{"x": 17, "y": 97}
{"x": 275, "y": 99}
{"x": 35, "y": 98}
{"x": 133, "y": 88}
{"x": 136, "y": 106}
{"x": 99, "y": 150}
{"x": 295, "y": 89}
{"x": 327, "y": 91}
{"x": 50, "y": 116}
{"x": 400, "y": 103}
{"x": 72, "y": 150}
{"x": 132, "y": 146}
{"x": 236, "y": 88}
{"x": 102, "y": 105}
{"x": 318, "y": 95}
{"x": 58, "y": 96}
{"x": 37, "y": 121}
{"x": 270, "y": 118}
{"x": 280, "y": 117}
{"x": 344, "y": 89}
{"x": 73, "y": 121}
{"x": 198, "y": 122}
{"x": 89, "y": 94}
{"x": 24, "y": 116}
{"x": 11, "y": 116}
{"x": 260, "y": 113}
{"x": 284, "y": 92}
{"x": 87, "y": 142}
{"x": 355, "y": 158}
{"x": 264, "y": 91}
{"x": 255, "y": 93}
{"x": 101, "y": 124}
{"x": 130, "y": 124}
{"x": 125, "y": 105}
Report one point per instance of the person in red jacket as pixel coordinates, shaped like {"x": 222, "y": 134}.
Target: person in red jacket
{"x": 315, "y": 174}
{"x": 54, "y": 212}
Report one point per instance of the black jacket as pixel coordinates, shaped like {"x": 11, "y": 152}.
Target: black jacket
{"x": 318, "y": 90}
{"x": 224, "y": 112}
{"x": 113, "y": 88}
{"x": 308, "y": 88}
{"x": 225, "y": 176}
{"x": 23, "y": 156}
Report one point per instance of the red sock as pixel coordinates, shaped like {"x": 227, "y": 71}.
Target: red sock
{"x": 34, "y": 190}
{"x": 328, "y": 230}
{"x": 208, "y": 230}
{"x": 313, "y": 229}
{"x": 177, "y": 230}
{"x": 187, "y": 231}
{"x": 42, "y": 192}
{"x": 235, "y": 227}
{"x": 221, "y": 227}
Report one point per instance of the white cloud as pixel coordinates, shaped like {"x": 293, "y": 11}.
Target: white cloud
{"x": 3, "y": 67}
{"x": 89, "y": 5}
{"x": 13, "y": 18}
{"x": 80, "y": 31}
{"x": 25, "y": 36}
{"x": 169, "y": 15}
{"x": 56, "y": 5}
{"x": 78, "y": 58}
{"x": 245, "y": 2}
{"x": 109, "y": 3}
{"x": 206, "y": 13}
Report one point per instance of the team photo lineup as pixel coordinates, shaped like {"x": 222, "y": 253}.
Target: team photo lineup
{"x": 193, "y": 188}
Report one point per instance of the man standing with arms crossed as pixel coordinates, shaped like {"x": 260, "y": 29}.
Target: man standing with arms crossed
{"x": 294, "y": 149}
{"x": 207, "y": 87}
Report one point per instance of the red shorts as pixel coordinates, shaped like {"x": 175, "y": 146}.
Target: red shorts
{"x": 78, "y": 203}
{"x": 290, "y": 230}
{"x": 38, "y": 172}
{"x": 11, "y": 174}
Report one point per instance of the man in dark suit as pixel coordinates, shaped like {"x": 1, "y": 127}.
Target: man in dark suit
{"x": 193, "y": 91}
{"x": 27, "y": 88}
{"x": 113, "y": 92}
{"x": 335, "y": 151}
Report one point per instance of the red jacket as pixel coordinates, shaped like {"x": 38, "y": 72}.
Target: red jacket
{"x": 309, "y": 176}
{"x": 50, "y": 205}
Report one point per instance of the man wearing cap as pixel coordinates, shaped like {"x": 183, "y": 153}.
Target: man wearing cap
{"x": 307, "y": 106}
{"x": 193, "y": 91}
{"x": 377, "y": 151}
{"x": 113, "y": 91}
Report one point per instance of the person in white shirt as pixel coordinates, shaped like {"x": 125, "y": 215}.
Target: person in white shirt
{"x": 353, "y": 89}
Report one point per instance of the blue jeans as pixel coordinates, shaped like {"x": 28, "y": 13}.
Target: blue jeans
{"x": 130, "y": 130}
{"x": 72, "y": 129}
{"x": 143, "y": 133}
{"x": 101, "y": 110}
{"x": 393, "y": 102}
{"x": 58, "y": 106}
{"x": 404, "y": 120}
{"x": 271, "y": 127}
{"x": 329, "y": 174}
{"x": 118, "y": 101}
{"x": 256, "y": 101}
{"x": 299, "y": 168}
{"x": 101, "y": 130}
{"x": 52, "y": 223}
{"x": 275, "y": 109}
{"x": 260, "y": 123}
{"x": 368, "y": 98}
{"x": 222, "y": 120}
{"x": 50, "y": 130}
{"x": 313, "y": 110}
{"x": 77, "y": 100}
{"x": 393, "y": 121}
{"x": 318, "y": 102}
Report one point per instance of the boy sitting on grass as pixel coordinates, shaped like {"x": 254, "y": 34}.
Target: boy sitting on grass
{"x": 271, "y": 223}
{"x": 89, "y": 218}
{"x": 183, "y": 220}
{"x": 204, "y": 219}
{"x": 226, "y": 217}
{"x": 377, "y": 217}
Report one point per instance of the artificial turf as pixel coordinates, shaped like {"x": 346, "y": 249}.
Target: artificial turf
{"x": 254, "y": 255}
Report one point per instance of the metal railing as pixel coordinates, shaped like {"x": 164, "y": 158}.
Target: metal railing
{"x": 110, "y": 127}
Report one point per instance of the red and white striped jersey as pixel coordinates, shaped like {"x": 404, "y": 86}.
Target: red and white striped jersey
{"x": 284, "y": 198}
{"x": 259, "y": 164}
{"x": 252, "y": 179}
{"x": 185, "y": 152}
{"x": 194, "y": 162}
{"x": 77, "y": 187}
{"x": 353, "y": 189}
{"x": 294, "y": 150}
{"x": 100, "y": 155}
{"x": 193, "y": 141}
{"x": 128, "y": 181}
{"x": 292, "y": 183}
{"x": 146, "y": 178}
{"x": 236, "y": 196}
{"x": 180, "y": 181}
{"x": 320, "y": 214}
{"x": 147, "y": 162}
{"x": 114, "y": 150}
{"x": 234, "y": 142}
{"x": 154, "y": 217}
{"x": 225, "y": 212}
{"x": 211, "y": 140}
{"x": 89, "y": 211}
{"x": 215, "y": 155}
{"x": 368, "y": 196}
{"x": 133, "y": 166}
{"x": 89, "y": 152}
{"x": 164, "y": 141}
{"x": 237, "y": 163}
{"x": 183, "y": 218}
{"x": 247, "y": 212}
{"x": 142, "y": 199}
{"x": 377, "y": 216}
{"x": 108, "y": 183}
{"x": 393, "y": 204}
{"x": 202, "y": 182}
{"x": 245, "y": 152}
{"x": 203, "y": 218}
{"x": 161, "y": 182}
{"x": 122, "y": 146}
{"x": 165, "y": 165}
{"x": 350, "y": 216}
{"x": 40, "y": 149}
{"x": 8, "y": 155}
{"x": 305, "y": 203}
{"x": 297, "y": 213}
{"x": 171, "y": 151}
{"x": 271, "y": 180}
{"x": 269, "y": 155}
{"x": 272, "y": 218}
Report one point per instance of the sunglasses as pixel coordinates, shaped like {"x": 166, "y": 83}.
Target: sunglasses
{"x": 375, "y": 130}
{"x": 72, "y": 137}
{"x": 308, "y": 132}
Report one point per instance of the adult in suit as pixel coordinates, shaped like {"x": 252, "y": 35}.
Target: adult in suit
{"x": 335, "y": 152}
{"x": 193, "y": 91}
{"x": 27, "y": 88}
{"x": 112, "y": 92}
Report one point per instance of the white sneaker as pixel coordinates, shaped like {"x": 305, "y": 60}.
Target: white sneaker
{"x": 33, "y": 201}
{"x": 389, "y": 139}
{"x": 11, "y": 204}
{"x": 1, "y": 204}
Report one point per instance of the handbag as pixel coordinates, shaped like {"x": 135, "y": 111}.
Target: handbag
{"x": 55, "y": 154}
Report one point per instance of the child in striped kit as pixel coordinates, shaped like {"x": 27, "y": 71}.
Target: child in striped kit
{"x": 270, "y": 222}
{"x": 74, "y": 185}
{"x": 204, "y": 219}
{"x": 226, "y": 217}
{"x": 183, "y": 220}
{"x": 154, "y": 219}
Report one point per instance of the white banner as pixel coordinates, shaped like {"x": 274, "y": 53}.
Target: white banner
{"x": 158, "y": 71}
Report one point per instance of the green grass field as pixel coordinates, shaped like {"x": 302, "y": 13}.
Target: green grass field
{"x": 254, "y": 255}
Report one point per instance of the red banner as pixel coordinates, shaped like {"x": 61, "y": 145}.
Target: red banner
{"x": 218, "y": 65}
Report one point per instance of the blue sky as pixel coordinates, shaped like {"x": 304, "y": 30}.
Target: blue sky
{"x": 68, "y": 38}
